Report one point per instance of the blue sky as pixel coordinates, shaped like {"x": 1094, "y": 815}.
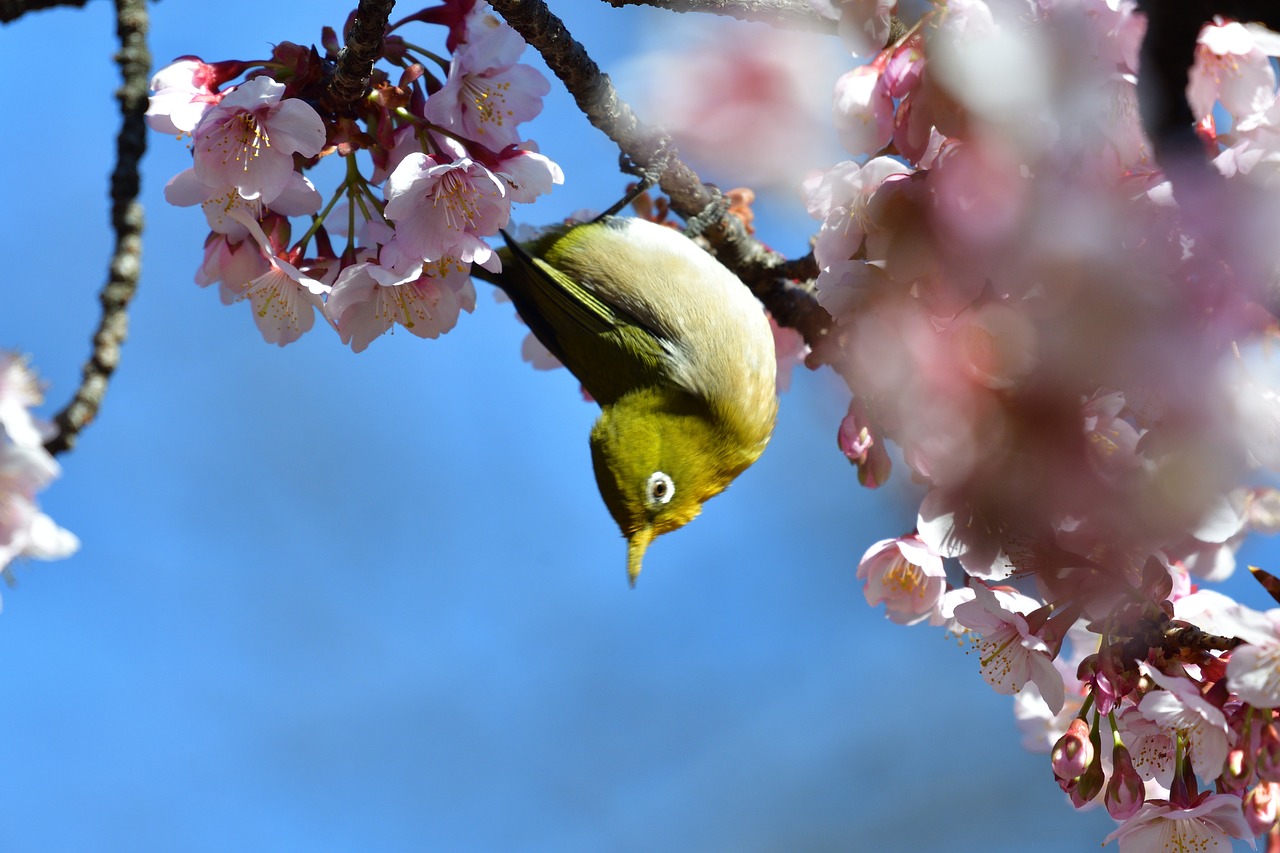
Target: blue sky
{"x": 341, "y": 602}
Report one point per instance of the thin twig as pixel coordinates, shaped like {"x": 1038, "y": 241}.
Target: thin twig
{"x": 795, "y": 14}
{"x": 12, "y": 10}
{"x": 792, "y": 303}
{"x": 134, "y": 59}
{"x": 355, "y": 61}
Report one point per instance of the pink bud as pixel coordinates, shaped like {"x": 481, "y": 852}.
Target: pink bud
{"x": 1238, "y": 771}
{"x": 1125, "y": 791}
{"x": 1268, "y": 758}
{"x": 862, "y": 446}
{"x": 1073, "y": 753}
{"x": 1260, "y": 807}
{"x": 1088, "y": 786}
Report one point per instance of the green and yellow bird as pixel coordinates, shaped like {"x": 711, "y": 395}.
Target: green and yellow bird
{"x": 673, "y": 347}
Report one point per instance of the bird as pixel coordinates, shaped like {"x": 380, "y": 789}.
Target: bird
{"x": 673, "y": 347}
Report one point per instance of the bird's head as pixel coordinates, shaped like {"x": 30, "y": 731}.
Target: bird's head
{"x": 659, "y": 454}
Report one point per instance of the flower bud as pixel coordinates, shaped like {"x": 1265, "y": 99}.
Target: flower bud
{"x": 1125, "y": 791}
{"x": 1260, "y": 806}
{"x": 1088, "y": 785}
{"x": 1268, "y": 757}
{"x": 1238, "y": 770}
{"x": 1073, "y": 753}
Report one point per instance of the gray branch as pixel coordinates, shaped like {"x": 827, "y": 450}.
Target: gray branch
{"x": 363, "y": 46}
{"x": 134, "y": 59}
{"x": 795, "y": 14}
{"x": 768, "y": 274}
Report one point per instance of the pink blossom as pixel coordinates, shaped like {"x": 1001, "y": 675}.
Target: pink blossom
{"x": 1231, "y": 69}
{"x": 1180, "y": 708}
{"x": 248, "y": 140}
{"x": 184, "y": 92}
{"x": 862, "y": 446}
{"x": 1112, "y": 440}
{"x": 442, "y": 209}
{"x": 1261, "y": 807}
{"x": 428, "y": 306}
{"x": 848, "y": 186}
{"x": 750, "y": 104}
{"x": 492, "y": 37}
{"x": 528, "y": 174}
{"x": 1253, "y": 674}
{"x": 26, "y": 468}
{"x": 284, "y": 299}
{"x": 232, "y": 264}
{"x": 1205, "y": 827}
{"x": 1151, "y": 745}
{"x": 486, "y": 102}
{"x": 284, "y": 302}
{"x": 863, "y": 110}
{"x": 25, "y": 531}
{"x": 20, "y": 391}
{"x": 1011, "y": 655}
{"x": 906, "y": 576}
{"x": 1040, "y": 727}
{"x": 982, "y": 555}
{"x": 224, "y": 207}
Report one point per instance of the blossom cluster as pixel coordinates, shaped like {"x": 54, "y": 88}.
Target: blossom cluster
{"x": 25, "y": 469}
{"x": 432, "y": 162}
{"x": 1070, "y": 356}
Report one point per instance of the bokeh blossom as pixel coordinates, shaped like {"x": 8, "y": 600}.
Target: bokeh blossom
{"x": 1066, "y": 353}
{"x": 26, "y": 468}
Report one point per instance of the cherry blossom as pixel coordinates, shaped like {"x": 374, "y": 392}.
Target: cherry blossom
{"x": 1206, "y": 827}
{"x": 427, "y": 306}
{"x": 905, "y": 576}
{"x": 26, "y": 468}
{"x": 863, "y": 110}
{"x": 1010, "y": 654}
{"x": 247, "y": 141}
{"x": 1180, "y": 708}
{"x": 527, "y": 173}
{"x": 184, "y": 91}
{"x": 1253, "y": 674}
{"x": 486, "y": 101}
{"x": 19, "y": 392}
{"x": 442, "y": 209}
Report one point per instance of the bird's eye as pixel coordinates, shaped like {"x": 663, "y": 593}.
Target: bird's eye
{"x": 659, "y": 490}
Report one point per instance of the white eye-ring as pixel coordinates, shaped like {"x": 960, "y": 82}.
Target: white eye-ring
{"x": 659, "y": 490}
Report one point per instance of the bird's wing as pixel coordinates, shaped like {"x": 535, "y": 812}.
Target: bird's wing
{"x": 607, "y": 347}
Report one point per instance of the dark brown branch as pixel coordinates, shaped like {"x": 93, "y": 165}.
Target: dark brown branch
{"x": 12, "y": 10}
{"x": 796, "y": 14}
{"x": 350, "y": 79}
{"x": 763, "y": 270}
{"x": 134, "y": 59}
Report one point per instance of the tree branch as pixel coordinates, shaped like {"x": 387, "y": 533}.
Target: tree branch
{"x": 792, "y": 303}
{"x": 134, "y": 59}
{"x": 355, "y": 61}
{"x": 795, "y": 14}
{"x": 12, "y": 10}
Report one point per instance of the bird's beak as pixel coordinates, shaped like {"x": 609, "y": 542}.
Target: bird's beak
{"x": 636, "y": 545}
